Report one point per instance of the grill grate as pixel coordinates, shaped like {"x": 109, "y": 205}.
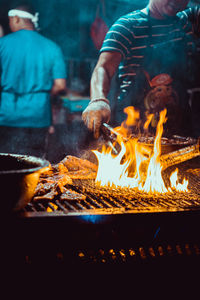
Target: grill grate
{"x": 102, "y": 230}
{"x": 101, "y": 200}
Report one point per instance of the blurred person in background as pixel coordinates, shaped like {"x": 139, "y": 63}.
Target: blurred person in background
{"x": 32, "y": 70}
{"x": 155, "y": 52}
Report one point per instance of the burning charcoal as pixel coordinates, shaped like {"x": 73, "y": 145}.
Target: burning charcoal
{"x": 63, "y": 180}
{"x": 62, "y": 169}
{"x": 46, "y": 180}
{"x": 43, "y": 188}
{"x": 59, "y": 168}
{"x": 39, "y": 188}
{"x": 74, "y": 163}
{"x": 47, "y": 172}
{"x": 194, "y": 171}
{"x": 52, "y": 183}
{"x": 71, "y": 195}
{"x": 82, "y": 174}
{"x": 48, "y": 196}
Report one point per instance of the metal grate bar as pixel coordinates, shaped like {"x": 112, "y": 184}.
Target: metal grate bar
{"x": 30, "y": 207}
{"x": 80, "y": 205}
{"x": 69, "y": 206}
{"x": 40, "y": 206}
{"x": 93, "y": 203}
{"x": 90, "y": 203}
{"x": 51, "y": 206}
{"x": 58, "y": 203}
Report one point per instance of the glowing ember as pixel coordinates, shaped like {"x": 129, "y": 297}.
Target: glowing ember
{"x": 136, "y": 166}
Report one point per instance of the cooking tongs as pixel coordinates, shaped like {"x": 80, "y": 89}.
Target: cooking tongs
{"x": 110, "y": 133}
{"x": 167, "y": 160}
{"x": 110, "y": 136}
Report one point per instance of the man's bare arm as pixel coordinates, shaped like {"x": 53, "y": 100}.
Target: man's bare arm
{"x": 59, "y": 87}
{"x": 102, "y": 75}
{"x": 98, "y": 110}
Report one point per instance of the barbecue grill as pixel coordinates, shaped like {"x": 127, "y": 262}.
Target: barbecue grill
{"x": 111, "y": 226}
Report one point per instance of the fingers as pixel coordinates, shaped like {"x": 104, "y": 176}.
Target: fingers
{"x": 89, "y": 118}
{"x": 94, "y": 119}
{"x": 93, "y": 122}
{"x": 96, "y": 127}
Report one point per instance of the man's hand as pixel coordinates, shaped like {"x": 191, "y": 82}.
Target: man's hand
{"x": 97, "y": 112}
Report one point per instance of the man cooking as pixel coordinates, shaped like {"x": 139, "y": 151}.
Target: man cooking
{"x": 154, "y": 51}
{"x": 32, "y": 69}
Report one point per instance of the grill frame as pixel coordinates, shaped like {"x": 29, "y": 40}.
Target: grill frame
{"x": 102, "y": 201}
{"x": 62, "y": 239}
{"x": 61, "y": 236}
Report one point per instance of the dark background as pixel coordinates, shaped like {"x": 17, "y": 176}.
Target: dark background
{"x": 68, "y": 23}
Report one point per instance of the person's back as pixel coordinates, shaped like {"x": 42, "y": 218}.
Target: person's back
{"x": 32, "y": 69}
{"x": 27, "y": 54}
{"x": 27, "y": 72}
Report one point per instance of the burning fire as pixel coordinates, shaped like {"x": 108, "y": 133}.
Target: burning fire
{"x": 136, "y": 165}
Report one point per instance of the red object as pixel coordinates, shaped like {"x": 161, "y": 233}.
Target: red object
{"x": 98, "y": 31}
{"x": 161, "y": 79}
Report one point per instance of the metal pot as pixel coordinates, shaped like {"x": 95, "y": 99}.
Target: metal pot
{"x": 19, "y": 176}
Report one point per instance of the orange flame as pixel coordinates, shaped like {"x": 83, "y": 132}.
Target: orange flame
{"x": 136, "y": 165}
{"x": 132, "y": 119}
{"x": 148, "y": 121}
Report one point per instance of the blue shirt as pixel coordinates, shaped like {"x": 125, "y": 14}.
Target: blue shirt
{"x": 29, "y": 63}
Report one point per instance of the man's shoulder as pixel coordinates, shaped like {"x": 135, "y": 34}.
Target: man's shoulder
{"x": 25, "y": 34}
{"x": 9, "y": 36}
{"x": 133, "y": 17}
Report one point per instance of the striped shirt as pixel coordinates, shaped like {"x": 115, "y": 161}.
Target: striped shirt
{"x": 134, "y": 32}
